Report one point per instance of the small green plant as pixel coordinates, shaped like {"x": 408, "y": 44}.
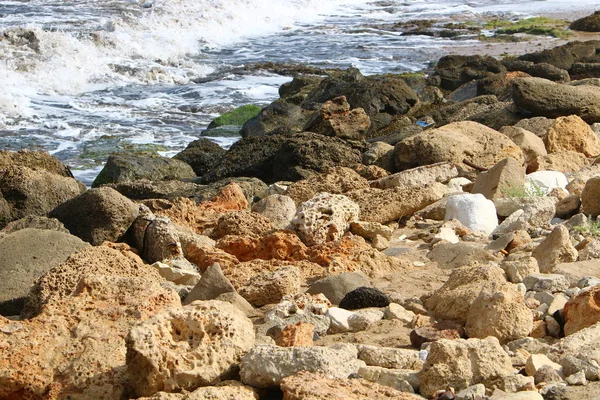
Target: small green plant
{"x": 540, "y": 26}
{"x": 592, "y": 228}
{"x": 527, "y": 190}
{"x": 239, "y": 116}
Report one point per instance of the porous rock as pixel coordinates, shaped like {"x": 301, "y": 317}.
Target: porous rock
{"x": 337, "y": 180}
{"x": 572, "y": 134}
{"x": 242, "y": 223}
{"x": 184, "y": 348}
{"x": 364, "y": 297}
{"x": 582, "y": 311}
{"x": 555, "y": 249}
{"x": 279, "y": 209}
{"x": 269, "y": 287}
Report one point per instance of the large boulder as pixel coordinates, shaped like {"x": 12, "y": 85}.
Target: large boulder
{"x": 75, "y": 348}
{"x": 184, "y": 348}
{"x": 564, "y": 56}
{"x": 456, "y": 70}
{"x": 546, "y": 98}
{"x": 278, "y": 208}
{"x": 24, "y": 191}
{"x": 98, "y": 215}
{"x": 572, "y": 134}
{"x": 133, "y": 167}
{"x": 463, "y": 363}
{"x": 335, "y": 118}
{"x": 201, "y": 155}
{"x": 591, "y": 23}
{"x": 25, "y": 255}
{"x": 500, "y": 179}
{"x": 275, "y": 158}
{"x": 337, "y": 180}
{"x": 35, "y": 160}
{"x": 457, "y": 142}
{"x": 582, "y": 311}
{"x": 454, "y": 299}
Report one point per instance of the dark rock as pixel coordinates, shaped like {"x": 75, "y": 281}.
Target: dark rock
{"x": 297, "y": 90}
{"x": 98, "y": 215}
{"x": 541, "y": 70}
{"x": 591, "y": 23}
{"x": 364, "y": 297}
{"x": 25, "y": 255}
{"x": 565, "y": 56}
{"x": 335, "y": 118}
{"x": 275, "y": 158}
{"x": 35, "y": 160}
{"x": 133, "y": 167}
{"x": 336, "y": 287}
{"x": 253, "y": 188}
{"x": 279, "y": 116}
{"x": 456, "y": 70}
{"x": 586, "y": 70}
{"x": 542, "y": 97}
{"x": 35, "y": 222}
{"x": 145, "y": 189}
{"x": 201, "y": 155}
{"x": 426, "y": 334}
{"x": 537, "y": 125}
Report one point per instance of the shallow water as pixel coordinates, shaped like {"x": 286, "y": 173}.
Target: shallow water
{"x": 83, "y": 78}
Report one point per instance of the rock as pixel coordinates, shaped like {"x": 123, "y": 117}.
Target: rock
{"x": 453, "y": 300}
{"x": 184, "y": 348}
{"x": 187, "y": 276}
{"x": 572, "y": 134}
{"x": 538, "y": 125}
{"x": 531, "y": 145}
{"x": 326, "y": 217}
{"x": 565, "y": 161}
{"x": 517, "y": 270}
{"x": 546, "y": 98}
{"x": 388, "y": 205}
{"x": 546, "y": 283}
{"x": 400, "y": 379}
{"x": 456, "y": 70}
{"x": 339, "y": 319}
{"x": 499, "y": 311}
{"x": 279, "y": 209}
{"x": 456, "y": 142}
{"x": 568, "y": 206}
{"x": 417, "y": 177}
{"x": 546, "y": 374}
{"x": 267, "y": 365}
{"x": 35, "y": 160}
{"x": 589, "y": 197}
{"x": 390, "y": 357}
{"x": 426, "y": 334}
{"x": 451, "y": 255}
{"x": 269, "y": 287}
{"x": 556, "y": 248}
{"x": 335, "y": 118}
{"x": 500, "y": 179}
{"x": 474, "y": 211}
{"x": 572, "y": 365}
{"x": 293, "y": 335}
{"x": 312, "y": 386}
{"x": 591, "y": 23}
{"x": 577, "y": 379}
{"x": 277, "y": 157}
{"x": 463, "y": 363}
{"x": 242, "y": 223}
{"x": 591, "y": 251}
{"x": 25, "y": 255}
{"x": 35, "y": 222}
{"x": 370, "y": 230}
{"x": 537, "y": 361}
{"x": 363, "y": 319}
{"x": 212, "y": 284}
{"x": 537, "y": 211}
{"x": 239, "y": 302}
{"x": 61, "y": 281}
{"x": 545, "y": 181}
{"x": 335, "y": 287}
{"x": 24, "y": 192}
{"x": 281, "y": 245}
{"x": 337, "y": 180}
{"x": 201, "y": 155}
{"x": 236, "y": 391}
{"x": 145, "y": 189}
{"x": 582, "y": 311}
{"x": 471, "y": 392}
{"x": 364, "y": 297}
{"x": 133, "y": 167}
{"x": 380, "y": 154}
{"x": 396, "y": 311}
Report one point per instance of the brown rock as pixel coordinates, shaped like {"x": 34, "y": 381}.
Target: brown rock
{"x": 370, "y": 172}
{"x": 499, "y": 179}
{"x": 61, "y": 281}
{"x": 279, "y": 209}
{"x": 314, "y": 386}
{"x": 582, "y": 311}
{"x": 532, "y": 145}
{"x": 269, "y": 287}
{"x": 388, "y": 205}
{"x": 204, "y": 256}
{"x": 35, "y": 160}
{"x": 337, "y": 180}
{"x": 568, "y": 206}
{"x": 426, "y": 334}
{"x": 282, "y": 245}
{"x": 572, "y": 134}
{"x": 75, "y": 347}
{"x": 242, "y": 223}
{"x": 417, "y": 177}
{"x": 336, "y": 119}
{"x": 590, "y": 197}
{"x": 300, "y": 334}
{"x": 555, "y": 249}
{"x": 564, "y": 161}
{"x": 234, "y": 390}
{"x": 539, "y": 329}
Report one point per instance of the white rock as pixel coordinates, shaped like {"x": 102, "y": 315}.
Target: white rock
{"x": 537, "y": 361}
{"x": 446, "y": 234}
{"x": 456, "y": 184}
{"x": 474, "y": 211}
{"x": 558, "y": 303}
{"x": 362, "y": 319}
{"x": 339, "y": 319}
{"x": 545, "y": 181}
{"x": 471, "y": 392}
{"x": 178, "y": 276}
{"x": 577, "y": 379}
{"x": 396, "y": 311}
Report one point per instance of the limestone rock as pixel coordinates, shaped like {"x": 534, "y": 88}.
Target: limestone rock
{"x": 462, "y": 254}
{"x": 518, "y": 269}
{"x": 340, "y": 319}
{"x": 388, "y": 205}
{"x": 590, "y": 197}
{"x": 337, "y": 180}
{"x": 456, "y": 142}
{"x": 300, "y": 334}
{"x": 236, "y": 391}
{"x": 370, "y": 230}
{"x": 537, "y": 211}
{"x": 326, "y": 217}
{"x": 546, "y": 282}
{"x": 380, "y": 154}
{"x": 564, "y": 161}
{"x": 499, "y": 180}
{"x": 531, "y": 145}
{"x": 335, "y": 287}
{"x": 179, "y": 274}
{"x": 242, "y": 223}
{"x": 463, "y": 363}
{"x": 568, "y": 206}
{"x": 279, "y": 209}
{"x": 582, "y": 311}
{"x": 267, "y": 365}
{"x": 35, "y": 222}
{"x": 396, "y": 311}
{"x": 572, "y": 134}
{"x": 336, "y": 119}
{"x": 390, "y": 357}
{"x": 405, "y": 380}
{"x": 537, "y": 361}
{"x": 212, "y": 284}
{"x": 25, "y": 255}
{"x": 269, "y": 287}
{"x": 555, "y": 249}
{"x": 313, "y": 386}
{"x": 184, "y": 348}
{"x": 280, "y": 245}
{"x": 499, "y": 311}
{"x": 474, "y": 211}
{"x": 35, "y": 160}
{"x": 416, "y": 177}
{"x": 364, "y": 318}
{"x": 453, "y": 300}
{"x": 61, "y": 281}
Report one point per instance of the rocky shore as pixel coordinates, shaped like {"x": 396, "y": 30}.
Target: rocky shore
{"x": 415, "y": 236}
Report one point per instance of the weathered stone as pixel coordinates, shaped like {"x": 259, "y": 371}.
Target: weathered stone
{"x": 568, "y": 206}
{"x": 364, "y": 297}
{"x": 326, "y": 217}
{"x": 335, "y": 118}
{"x": 339, "y": 319}
{"x": 462, "y": 363}
{"x": 269, "y": 287}
{"x": 35, "y": 222}
{"x": 405, "y": 380}
{"x": 266, "y": 365}
{"x": 280, "y": 245}
{"x": 201, "y": 155}
{"x": 184, "y": 348}
{"x": 500, "y": 179}
{"x": 582, "y": 311}
{"x": 538, "y": 211}
{"x": 396, "y": 311}
{"x": 178, "y": 272}
{"x": 337, "y": 180}
{"x": 380, "y": 154}
{"x": 279, "y": 209}
{"x": 212, "y": 284}
{"x": 518, "y": 269}
{"x": 236, "y": 391}
{"x": 537, "y": 361}
{"x": 457, "y": 255}
{"x": 572, "y": 134}
{"x": 335, "y": 287}
{"x": 531, "y": 145}
{"x": 300, "y": 334}
{"x": 474, "y": 211}
{"x": 242, "y": 223}
{"x": 590, "y": 23}
{"x": 499, "y": 311}
{"x": 546, "y": 282}
{"x": 390, "y": 357}
{"x": 555, "y": 249}
{"x": 417, "y": 177}
{"x": 564, "y": 161}
{"x": 362, "y": 319}
{"x": 590, "y": 197}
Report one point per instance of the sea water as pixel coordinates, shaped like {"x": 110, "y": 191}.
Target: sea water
{"x": 82, "y": 78}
